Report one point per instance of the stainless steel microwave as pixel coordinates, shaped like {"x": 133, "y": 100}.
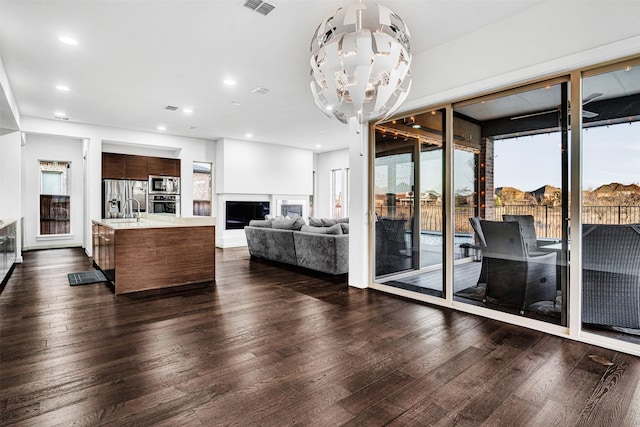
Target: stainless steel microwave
{"x": 164, "y": 185}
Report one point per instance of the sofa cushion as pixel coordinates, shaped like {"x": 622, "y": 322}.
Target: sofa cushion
{"x": 288, "y": 224}
{"x": 315, "y": 222}
{"x": 328, "y": 222}
{"x": 322, "y": 252}
{"x": 345, "y": 227}
{"x": 334, "y": 229}
{"x": 344, "y": 220}
{"x": 265, "y": 223}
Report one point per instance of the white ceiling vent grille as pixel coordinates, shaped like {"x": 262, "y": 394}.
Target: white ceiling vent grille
{"x": 170, "y": 108}
{"x": 262, "y": 7}
{"x": 261, "y": 91}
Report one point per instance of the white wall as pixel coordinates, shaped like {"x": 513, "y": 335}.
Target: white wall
{"x": 10, "y": 175}
{"x": 259, "y": 168}
{"x": 10, "y": 185}
{"x": 324, "y": 164}
{"x": 254, "y": 171}
{"x": 46, "y": 147}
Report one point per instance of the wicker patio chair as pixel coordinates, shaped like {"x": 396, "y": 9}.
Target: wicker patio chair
{"x": 611, "y": 275}
{"x": 528, "y": 228}
{"x": 515, "y": 277}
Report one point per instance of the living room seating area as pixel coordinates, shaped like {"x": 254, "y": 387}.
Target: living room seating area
{"x": 322, "y": 245}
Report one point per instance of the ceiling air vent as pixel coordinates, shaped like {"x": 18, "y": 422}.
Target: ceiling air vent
{"x": 170, "y": 108}
{"x": 261, "y": 91}
{"x": 259, "y": 6}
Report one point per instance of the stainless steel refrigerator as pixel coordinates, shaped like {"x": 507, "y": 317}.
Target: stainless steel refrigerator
{"x": 117, "y": 195}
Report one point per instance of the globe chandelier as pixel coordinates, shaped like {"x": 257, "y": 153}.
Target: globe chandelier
{"x": 360, "y": 64}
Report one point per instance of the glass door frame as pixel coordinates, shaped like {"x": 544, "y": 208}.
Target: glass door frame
{"x": 416, "y": 153}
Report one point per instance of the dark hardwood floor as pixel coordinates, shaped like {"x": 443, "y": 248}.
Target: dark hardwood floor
{"x": 272, "y": 345}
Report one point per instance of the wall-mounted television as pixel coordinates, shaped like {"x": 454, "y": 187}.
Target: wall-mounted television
{"x": 238, "y": 214}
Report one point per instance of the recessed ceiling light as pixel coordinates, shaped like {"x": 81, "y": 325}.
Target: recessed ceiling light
{"x": 230, "y": 82}
{"x": 248, "y": 135}
{"x": 68, "y": 40}
{"x": 318, "y": 145}
{"x": 63, "y": 88}
{"x": 187, "y": 111}
{"x": 236, "y": 103}
{"x": 59, "y": 114}
{"x": 162, "y": 127}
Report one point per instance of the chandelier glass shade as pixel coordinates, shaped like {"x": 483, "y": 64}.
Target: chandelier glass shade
{"x": 360, "y": 63}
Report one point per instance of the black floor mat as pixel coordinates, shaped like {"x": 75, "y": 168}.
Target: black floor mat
{"x": 86, "y": 278}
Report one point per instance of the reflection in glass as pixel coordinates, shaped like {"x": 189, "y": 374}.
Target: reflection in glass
{"x": 394, "y": 207}
{"x": 409, "y": 203}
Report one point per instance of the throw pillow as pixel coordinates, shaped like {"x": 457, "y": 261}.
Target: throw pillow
{"x": 315, "y": 222}
{"x": 288, "y": 224}
{"x": 345, "y": 227}
{"x": 335, "y": 229}
{"x": 264, "y": 223}
{"x": 327, "y": 222}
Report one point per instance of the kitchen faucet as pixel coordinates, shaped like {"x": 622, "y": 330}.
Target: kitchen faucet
{"x": 127, "y": 204}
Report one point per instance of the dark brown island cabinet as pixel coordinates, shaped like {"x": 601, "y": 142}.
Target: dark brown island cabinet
{"x": 153, "y": 254}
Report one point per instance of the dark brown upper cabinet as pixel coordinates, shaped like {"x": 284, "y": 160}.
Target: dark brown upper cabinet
{"x": 114, "y": 166}
{"x": 125, "y": 166}
{"x": 137, "y": 167}
{"x": 164, "y": 167}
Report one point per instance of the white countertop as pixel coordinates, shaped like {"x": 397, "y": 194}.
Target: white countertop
{"x": 8, "y": 221}
{"x": 156, "y": 221}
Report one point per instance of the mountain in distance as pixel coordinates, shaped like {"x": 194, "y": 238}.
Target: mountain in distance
{"x": 608, "y": 190}
{"x": 613, "y": 192}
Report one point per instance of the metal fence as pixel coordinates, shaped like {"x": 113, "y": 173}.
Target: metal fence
{"x": 548, "y": 219}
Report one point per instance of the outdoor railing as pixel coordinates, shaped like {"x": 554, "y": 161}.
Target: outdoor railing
{"x": 548, "y": 219}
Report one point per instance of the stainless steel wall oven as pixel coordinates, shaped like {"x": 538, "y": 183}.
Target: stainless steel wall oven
{"x": 164, "y": 203}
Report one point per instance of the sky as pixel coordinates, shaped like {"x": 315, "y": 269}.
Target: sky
{"x": 610, "y": 154}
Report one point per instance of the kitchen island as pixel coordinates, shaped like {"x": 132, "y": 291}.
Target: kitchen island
{"x": 154, "y": 252}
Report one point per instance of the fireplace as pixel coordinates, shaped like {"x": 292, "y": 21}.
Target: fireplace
{"x": 292, "y": 208}
{"x": 292, "y": 211}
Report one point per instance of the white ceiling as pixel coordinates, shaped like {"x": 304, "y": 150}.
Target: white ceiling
{"x": 136, "y": 57}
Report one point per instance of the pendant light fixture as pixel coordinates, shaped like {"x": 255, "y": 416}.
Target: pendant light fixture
{"x": 360, "y": 64}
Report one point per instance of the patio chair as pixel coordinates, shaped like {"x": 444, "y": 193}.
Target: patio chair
{"x": 481, "y": 246}
{"x": 611, "y": 275}
{"x": 528, "y": 228}
{"x": 514, "y": 276}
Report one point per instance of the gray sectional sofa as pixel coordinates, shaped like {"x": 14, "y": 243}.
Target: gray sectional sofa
{"x": 322, "y": 247}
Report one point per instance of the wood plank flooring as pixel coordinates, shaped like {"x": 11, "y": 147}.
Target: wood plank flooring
{"x": 274, "y": 345}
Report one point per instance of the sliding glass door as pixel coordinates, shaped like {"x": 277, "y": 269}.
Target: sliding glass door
{"x": 517, "y": 145}
{"x": 409, "y": 200}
